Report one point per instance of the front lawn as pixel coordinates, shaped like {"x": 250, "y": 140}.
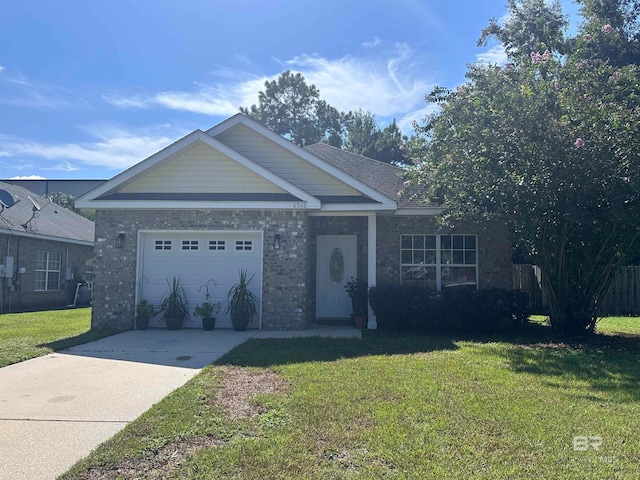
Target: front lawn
{"x": 616, "y": 325}
{"x": 33, "y": 334}
{"x": 393, "y": 406}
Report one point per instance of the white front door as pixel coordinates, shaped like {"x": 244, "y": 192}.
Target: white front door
{"x": 336, "y": 263}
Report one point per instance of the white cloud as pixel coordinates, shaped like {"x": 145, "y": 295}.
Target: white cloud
{"x": 125, "y": 102}
{"x": 63, "y": 167}
{"x": 494, "y": 56}
{"x": 5, "y": 154}
{"x": 27, "y": 177}
{"x": 1, "y": 68}
{"x": 389, "y": 84}
{"x": 113, "y": 148}
{"x": 373, "y": 43}
{"x": 405, "y": 123}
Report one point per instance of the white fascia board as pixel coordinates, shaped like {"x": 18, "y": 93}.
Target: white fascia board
{"x": 309, "y": 157}
{"x": 49, "y": 238}
{"x": 346, "y": 207}
{"x": 420, "y": 211}
{"x": 197, "y": 205}
{"x": 89, "y": 200}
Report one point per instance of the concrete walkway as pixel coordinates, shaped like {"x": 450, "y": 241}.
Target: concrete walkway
{"x": 54, "y": 410}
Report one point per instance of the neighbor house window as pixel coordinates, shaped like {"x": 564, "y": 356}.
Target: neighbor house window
{"x": 439, "y": 261}
{"x": 47, "y": 270}
{"x": 88, "y": 273}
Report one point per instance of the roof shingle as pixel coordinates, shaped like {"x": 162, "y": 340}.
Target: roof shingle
{"x": 52, "y": 220}
{"x": 383, "y": 177}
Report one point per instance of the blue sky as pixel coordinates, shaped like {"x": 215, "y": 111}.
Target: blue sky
{"x": 88, "y": 88}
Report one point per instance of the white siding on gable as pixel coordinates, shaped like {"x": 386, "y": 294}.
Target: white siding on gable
{"x": 201, "y": 169}
{"x": 283, "y": 163}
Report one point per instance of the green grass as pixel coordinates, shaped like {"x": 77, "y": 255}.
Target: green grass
{"x": 28, "y": 335}
{"x": 619, "y": 325}
{"x": 606, "y": 325}
{"x": 392, "y": 406}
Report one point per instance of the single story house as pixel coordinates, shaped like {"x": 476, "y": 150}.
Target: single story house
{"x": 45, "y": 250}
{"x": 302, "y": 222}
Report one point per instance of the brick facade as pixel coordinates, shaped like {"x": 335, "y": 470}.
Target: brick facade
{"x": 285, "y": 296}
{"x": 494, "y": 247}
{"x": 288, "y": 292}
{"x": 20, "y": 294}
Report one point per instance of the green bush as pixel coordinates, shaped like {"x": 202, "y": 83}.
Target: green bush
{"x": 414, "y": 309}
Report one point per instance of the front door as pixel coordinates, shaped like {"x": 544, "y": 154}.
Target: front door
{"x": 336, "y": 263}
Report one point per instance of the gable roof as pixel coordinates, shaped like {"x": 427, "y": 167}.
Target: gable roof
{"x": 109, "y": 195}
{"x": 51, "y": 222}
{"x": 289, "y": 178}
{"x": 387, "y": 203}
{"x": 385, "y": 178}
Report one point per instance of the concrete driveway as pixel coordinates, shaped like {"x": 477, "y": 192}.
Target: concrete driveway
{"x": 54, "y": 410}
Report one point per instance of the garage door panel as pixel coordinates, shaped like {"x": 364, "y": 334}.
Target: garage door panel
{"x": 219, "y": 257}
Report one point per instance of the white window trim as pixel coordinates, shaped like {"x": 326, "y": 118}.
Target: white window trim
{"x": 439, "y": 265}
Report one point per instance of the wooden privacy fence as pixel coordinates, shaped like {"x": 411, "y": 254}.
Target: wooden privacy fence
{"x": 623, "y": 297}
{"x": 528, "y": 278}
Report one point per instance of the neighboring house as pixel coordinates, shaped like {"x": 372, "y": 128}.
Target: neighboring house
{"x": 303, "y": 221}
{"x": 46, "y": 187}
{"x": 45, "y": 250}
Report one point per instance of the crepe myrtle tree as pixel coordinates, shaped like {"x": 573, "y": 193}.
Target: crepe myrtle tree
{"x": 550, "y": 142}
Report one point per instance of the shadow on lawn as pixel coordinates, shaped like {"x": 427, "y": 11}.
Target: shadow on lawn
{"x": 273, "y": 352}
{"x": 607, "y": 363}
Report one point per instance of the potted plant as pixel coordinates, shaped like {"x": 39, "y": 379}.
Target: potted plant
{"x": 241, "y": 302}
{"x": 206, "y": 311}
{"x": 144, "y": 312}
{"x": 174, "y": 305}
{"x": 357, "y": 289}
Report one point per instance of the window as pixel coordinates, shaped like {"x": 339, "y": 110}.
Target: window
{"x": 190, "y": 245}
{"x": 438, "y": 261}
{"x": 245, "y": 245}
{"x": 163, "y": 244}
{"x": 47, "y": 270}
{"x": 88, "y": 273}
{"x": 217, "y": 245}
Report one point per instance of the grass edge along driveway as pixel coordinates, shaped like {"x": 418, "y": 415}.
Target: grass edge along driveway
{"x": 33, "y": 334}
{"x": 393, "y": 406}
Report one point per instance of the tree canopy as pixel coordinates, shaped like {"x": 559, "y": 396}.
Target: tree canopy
{"x": 295, "y": 110}
{"x": 549, "y": 142}
{"x": 365, "y": 137}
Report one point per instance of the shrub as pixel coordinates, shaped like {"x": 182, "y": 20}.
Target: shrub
{"x": 410, "y": 308}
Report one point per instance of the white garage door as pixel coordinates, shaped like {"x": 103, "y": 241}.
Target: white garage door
{"x": 199, "y": 258}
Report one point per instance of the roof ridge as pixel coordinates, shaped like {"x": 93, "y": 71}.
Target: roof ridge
{"x": 364, "y": 157}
